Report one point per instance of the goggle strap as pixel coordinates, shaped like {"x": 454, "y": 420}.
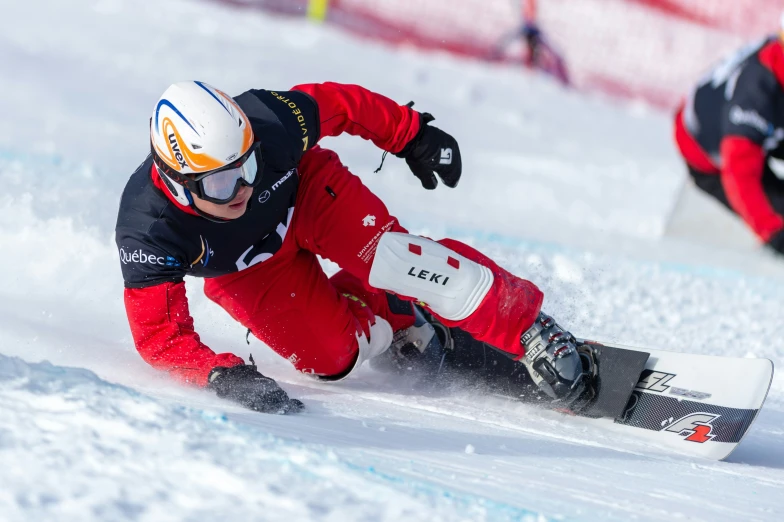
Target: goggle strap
{"x": 180, "y": 193}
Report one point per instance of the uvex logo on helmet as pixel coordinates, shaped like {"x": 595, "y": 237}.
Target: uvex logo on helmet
{"x": 176, "y": 149}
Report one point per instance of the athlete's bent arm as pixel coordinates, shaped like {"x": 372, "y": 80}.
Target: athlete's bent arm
{"x": 360, "y": 112}
{"x": 743, "y": 165}
{"x": 398, "y": 129}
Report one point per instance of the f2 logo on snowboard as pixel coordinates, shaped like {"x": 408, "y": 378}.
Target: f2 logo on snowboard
{"x": 695, "y": 427}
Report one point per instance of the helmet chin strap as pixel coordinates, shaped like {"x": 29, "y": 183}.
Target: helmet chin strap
{"x": 208, "y": 217}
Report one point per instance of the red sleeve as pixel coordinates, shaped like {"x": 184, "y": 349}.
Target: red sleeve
{"x": 743, "y": 163}
{"x": 162, "y": 328}
{"x": 358, "y": 111}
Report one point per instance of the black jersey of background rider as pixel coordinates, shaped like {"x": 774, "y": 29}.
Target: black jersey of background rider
{"x": 159, "y": 242}
{"x": 739, "y": 97}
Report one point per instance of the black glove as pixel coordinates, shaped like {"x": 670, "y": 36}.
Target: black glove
{"x": 244, "y": 384}
{"x": 433, "y": 150}
{"x": 777, "y": 242}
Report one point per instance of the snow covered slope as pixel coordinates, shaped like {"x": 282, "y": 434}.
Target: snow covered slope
{"x": 575, "y": 193}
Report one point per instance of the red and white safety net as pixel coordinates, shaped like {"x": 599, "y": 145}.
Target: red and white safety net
{"x": 648, "y": 49}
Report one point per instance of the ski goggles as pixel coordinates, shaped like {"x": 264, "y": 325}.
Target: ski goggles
{"x": 221, "y": 185}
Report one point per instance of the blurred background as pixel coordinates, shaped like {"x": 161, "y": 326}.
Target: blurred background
{"x": 641, "y": 49}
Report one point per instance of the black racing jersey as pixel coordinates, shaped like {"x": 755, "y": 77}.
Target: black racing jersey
{"x": 739, "y": 97}
{"x": 158, "y": 242}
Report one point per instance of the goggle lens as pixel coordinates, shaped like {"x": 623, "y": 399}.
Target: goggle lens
{"x": 222, "y": 185}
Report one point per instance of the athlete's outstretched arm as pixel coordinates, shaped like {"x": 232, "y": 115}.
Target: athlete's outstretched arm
{"x": 163, "y": 332}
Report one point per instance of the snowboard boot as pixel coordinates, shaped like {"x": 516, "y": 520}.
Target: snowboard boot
{"x": 557, "y": 365}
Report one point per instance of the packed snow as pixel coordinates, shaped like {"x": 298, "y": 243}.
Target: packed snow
{"x": 583, "y": 195}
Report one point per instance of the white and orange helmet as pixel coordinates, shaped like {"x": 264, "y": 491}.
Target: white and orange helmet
{"x": 202, "y": 141}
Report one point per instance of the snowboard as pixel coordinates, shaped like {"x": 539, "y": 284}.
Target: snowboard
{"x": 700, "y": 405}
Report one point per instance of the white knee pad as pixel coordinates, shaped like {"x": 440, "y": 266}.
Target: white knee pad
{"x": 451, "y": 285}
{"x": 379, "y": 342}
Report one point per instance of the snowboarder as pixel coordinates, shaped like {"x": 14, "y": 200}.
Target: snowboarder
{"x": 237, "y": 191}
{"x": 730, "y": 131}
{"x": 537, "y": 54}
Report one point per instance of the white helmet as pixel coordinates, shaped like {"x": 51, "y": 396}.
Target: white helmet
{"x": 196, "y": 130}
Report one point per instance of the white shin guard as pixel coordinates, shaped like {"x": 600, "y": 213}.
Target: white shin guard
{"x": 379, "y": 342}
{"x": 450, "y": 285}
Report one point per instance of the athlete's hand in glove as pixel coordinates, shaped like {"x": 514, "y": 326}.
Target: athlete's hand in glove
{"x": 777, "y": 242}
{"x": 244, "y": 384}
{"x": 433, "y": 150}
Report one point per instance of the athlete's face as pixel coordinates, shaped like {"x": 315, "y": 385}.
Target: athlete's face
{"x": 231, "y": 210}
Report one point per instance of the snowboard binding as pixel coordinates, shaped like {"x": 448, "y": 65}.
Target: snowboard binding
{"x": 436, "y": 355}
{"x": 589, "y": 361}
{"x": 420, "y": 349}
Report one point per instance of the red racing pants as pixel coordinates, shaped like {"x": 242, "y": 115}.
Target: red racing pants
{"x": 289, "y": 303}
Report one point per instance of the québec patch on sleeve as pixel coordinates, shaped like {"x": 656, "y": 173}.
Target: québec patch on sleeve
{"x": 144, "y": 264}
{"x": 296, "y": 111}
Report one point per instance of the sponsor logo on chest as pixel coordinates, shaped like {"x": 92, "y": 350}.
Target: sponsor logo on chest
{"x": 282, "y": 180}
